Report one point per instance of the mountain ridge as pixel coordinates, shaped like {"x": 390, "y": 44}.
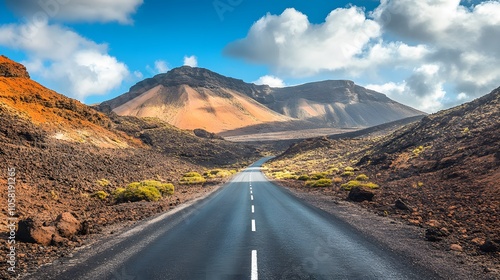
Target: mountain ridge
{"x": 330, "y": 103}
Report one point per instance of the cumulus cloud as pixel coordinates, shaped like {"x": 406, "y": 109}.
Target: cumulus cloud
{"x": 191, "y": 61}
{"x": 161, "y": 66}
{"x": 435, "y": 44}
{"x": 77, "y": 10}
{"x": 291, "y": 44}
{"x": 79, "y": 67}
{"x": 271, "y": 81}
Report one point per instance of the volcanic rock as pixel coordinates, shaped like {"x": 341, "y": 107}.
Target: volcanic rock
{"x": 359, "y": 194}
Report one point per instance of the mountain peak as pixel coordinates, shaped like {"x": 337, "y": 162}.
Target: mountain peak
{"x": 12, "y": 69}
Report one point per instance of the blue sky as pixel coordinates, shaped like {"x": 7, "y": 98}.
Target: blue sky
{"x": 415, "y": 53}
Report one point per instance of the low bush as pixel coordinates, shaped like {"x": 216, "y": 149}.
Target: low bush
{"x": 102, "y": 195}
{"x": 218, "y": 173}
{"x": 351, "y": 184}
{"x": 303, "y": 178}
{"x": 103, "y": 182}
{"x": 347, "y": 174}
{"x": 348, "y": 169}
{"x": 317, "y": 175}
{"x": 362, "y": 177}
{"x": 321, "y": 183}
{"x": 192, "y": 178}
{"x": 149, "y": 190}
{"x": 287, "y": 175}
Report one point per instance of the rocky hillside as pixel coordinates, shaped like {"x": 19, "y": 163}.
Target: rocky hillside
{"x": 337, "y": 103}
{"x": 440, "y": 173}
{"x": 70, "y": 159}
{"x": 192, "y": 98}
{"x": 198, "y": 98}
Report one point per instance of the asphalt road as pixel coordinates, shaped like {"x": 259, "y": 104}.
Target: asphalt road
{"x": 250, "y": 229}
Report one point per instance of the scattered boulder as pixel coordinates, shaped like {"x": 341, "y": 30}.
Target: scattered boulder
{"x": 205, "y": 134}
{"x": 32, "y": 231}
{"x": 67, "y": 225}
{"x": 402, "y": 205}
{"x": 490, "y": 246}
{"x": 360, "y": 194}
{"x": 456, "y": 247}
{"x": 433, "y": 234}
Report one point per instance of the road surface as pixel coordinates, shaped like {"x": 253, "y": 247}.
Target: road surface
{"x": 249, "y": 229}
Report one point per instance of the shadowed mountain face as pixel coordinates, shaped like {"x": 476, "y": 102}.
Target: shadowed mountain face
{"x": 198, "y": 98}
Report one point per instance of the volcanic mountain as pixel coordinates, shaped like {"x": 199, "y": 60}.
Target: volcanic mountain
{"x": 192, "y": 98}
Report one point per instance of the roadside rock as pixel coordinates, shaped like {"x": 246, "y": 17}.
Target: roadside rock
{"x": 402, "y": 205}
{"x": 67, "y": 225}
{"x": 205, "y": 134}
{"x": 433, "y": 234}
{"x": 359, "y": 194}
{"x": 490, "y": 246}
{"x": 456, "y": 247}
{"x": 32, "y": 231}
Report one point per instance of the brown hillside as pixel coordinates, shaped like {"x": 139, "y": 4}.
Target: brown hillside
{"x": 444, "y": 169}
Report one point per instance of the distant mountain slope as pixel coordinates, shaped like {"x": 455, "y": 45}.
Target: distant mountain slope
{"x": 338, "y": 103}
{"x": 191, "y": 98}
{"x": 198, "y": 98}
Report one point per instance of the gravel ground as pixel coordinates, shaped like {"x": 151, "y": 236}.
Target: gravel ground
{"x": 405, "y": 239}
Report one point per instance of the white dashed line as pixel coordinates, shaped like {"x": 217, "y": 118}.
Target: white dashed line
{"x": 254, "y": 275}
{"x": 253, "y": 209}
{"x": 253, "y": 225}
{"x": 251, "y": 192}
{"x": 251, "y": 197}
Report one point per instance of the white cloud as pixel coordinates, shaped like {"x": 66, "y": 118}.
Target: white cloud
{"x": 271, "y": 81}
{"x": 457, "y": 44}
{"x": 291, "y": 44}
{"x": 161, "y": 66}
{"x": 77, "y": 10}
{"x": 77, "y": 66}
{"x": 191, "y": 61}
{"x": 138, "y": 74}
{"x": 423, "y": 90}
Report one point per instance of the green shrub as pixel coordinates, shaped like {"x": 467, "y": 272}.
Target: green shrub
{"x": 192, "y": 178}
{"x": 317, "y": 176}
{"x": 136, "y": 192}
{"x": 166, "y": 189}
{"x": 149, "y": 190}
{"x": 103, "y": 182}
{"x": 351, "y": 184}
{"x": 191, "y": 174}
{"x": 319, "y": 183}
{"x": 217, "y": 173}
{"x": 362, "y": 177}
{"x": 303, "y": 177}
{"x": 349, "y": 169}
{"x": 287, "y": 175}
{"x": 347, "y": 174}
{"x": 102, "y": 195}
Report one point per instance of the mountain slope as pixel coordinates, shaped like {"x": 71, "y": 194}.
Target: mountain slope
{"x": 198, "y": 98}
{"x": 339, "y": 104}
{"x": 440, "y": 173}
{"x": 191, "y": 98}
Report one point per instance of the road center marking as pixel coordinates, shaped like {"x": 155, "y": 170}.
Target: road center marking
{"x": 253, "y": 209}
{"x": 253, "y": 225}
{"x": 251, "y": 192}
{"x": 254, "y": 275}
{"x": 251, "y": 197}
